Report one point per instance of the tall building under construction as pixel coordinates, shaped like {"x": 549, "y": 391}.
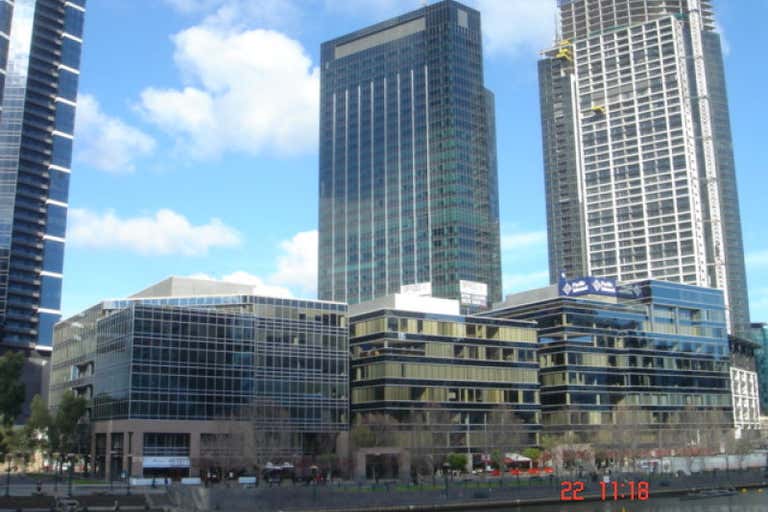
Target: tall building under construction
{"x": 639, "y": 167}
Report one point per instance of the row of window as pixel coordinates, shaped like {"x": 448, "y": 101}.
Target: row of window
{"x": 442, "y": 328}
{"x": 442, "y": 394}
{"x": 418, "y": 371}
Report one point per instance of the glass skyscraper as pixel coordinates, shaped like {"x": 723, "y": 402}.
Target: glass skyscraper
{"x": 408, "y": 179}
{"x": 639, "y": 166}
{"x": 40, "y": 45}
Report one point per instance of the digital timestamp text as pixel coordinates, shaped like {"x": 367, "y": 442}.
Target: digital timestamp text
{"x": 609, "y": 491}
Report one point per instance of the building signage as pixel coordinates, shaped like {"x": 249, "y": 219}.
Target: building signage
{"x": 473, "y": 293}
{"x": 166, "y": 462}
{"x": 598, "y": 286}
{"x": 420, "y": 289}
{"x": 587, "y": 286}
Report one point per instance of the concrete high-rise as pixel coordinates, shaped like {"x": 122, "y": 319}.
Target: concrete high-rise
{"x": 639, "y": 166}
{"x": 40, "y": 45}
{"x": 408, "y": 177}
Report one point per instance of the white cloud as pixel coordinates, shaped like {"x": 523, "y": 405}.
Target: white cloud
{"x": 259, "y": 286}
{"x": 105, "y": 142}
{"x": 253, "y": 91}
{"x": 296, "y": 273}
{"x": 516, "y": 241}
{"x": 165, "y": 233}
{"x": 374, "y": 9}
{"x": 269, "y": 13}
{"x": 193, "y": 6}
{"x": 512, "y": 27}
{"x": 724, "y": 41}
{"x": 297, "y": 265}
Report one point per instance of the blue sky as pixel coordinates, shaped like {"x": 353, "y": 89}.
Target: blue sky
{"x": 196, "y": 140}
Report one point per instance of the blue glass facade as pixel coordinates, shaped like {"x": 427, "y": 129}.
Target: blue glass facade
{"x": 408, "y": 180}
{"x": 39, "y": 65}
{"x": 40, "y": 44}
{"x": 759, "y": 334}
{"x": 195, "y": 366}
{"x": 655, "y": 358}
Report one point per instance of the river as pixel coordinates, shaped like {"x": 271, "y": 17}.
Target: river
{"x": 751, "y": 501}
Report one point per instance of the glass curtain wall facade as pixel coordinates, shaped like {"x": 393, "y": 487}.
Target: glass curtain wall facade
{"x": 639, "y": 169}
{"x": 652, "y": 361}
{"x": 759, "y": 334}
{"x": 190, "y": 363}
{"x": 471, "y": 382}
{"x": 36, "y": 126}
{"x": 408, "y": 179}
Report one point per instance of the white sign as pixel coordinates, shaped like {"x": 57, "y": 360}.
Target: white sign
{"x": 473, "y": 293}
{"x": 166, "y": 462}
{"x": 420, "y": 289}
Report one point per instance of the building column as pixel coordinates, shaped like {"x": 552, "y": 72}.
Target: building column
{"x": 93, "y": 452}
{"x": 126, "y": 453}
{"x": 108, "y": 454}
{"x": 137, "y": 451}
{"x": 194, "y": 453}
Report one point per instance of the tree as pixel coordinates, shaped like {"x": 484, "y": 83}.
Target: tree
{"x": 625, "y": 432}
{"x": 63, "y": 430}
{"x": 12, "y": 389}
{"x": 505, "y": 431}
{"x": 429, "y": 430}
{"x": 532, "y": 453}
{"x": 457, "y": 461}
{"x": 38, "y": 424}
{"x": 362, "y": 436}
{"x": 548, "y": 444}
{"x": 375, "y": 430}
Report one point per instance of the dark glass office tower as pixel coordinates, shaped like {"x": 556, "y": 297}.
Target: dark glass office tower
{"x": 638, "y": 157}
{"x": 40, "y": 43}
{"x": 408, "y": 178}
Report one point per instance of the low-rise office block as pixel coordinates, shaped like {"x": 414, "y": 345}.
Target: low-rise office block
{"x": 191, "y": 374}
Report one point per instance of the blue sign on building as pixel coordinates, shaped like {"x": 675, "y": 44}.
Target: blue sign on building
{"x": 586, "y": 286}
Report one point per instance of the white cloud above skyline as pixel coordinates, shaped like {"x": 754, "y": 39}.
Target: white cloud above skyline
{"x": 260, "y": 287}
{"x": 296, "y": 274}
{"x": 260, "y": 95}
{"x": 107, "y": 143}
{"x": 297, "y": 264}
{"x": 164, "y": 233}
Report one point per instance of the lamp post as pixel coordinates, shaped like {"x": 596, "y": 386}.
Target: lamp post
{"x": 71, "y": 459}
{"x": 56, "y": 476}
{"x": 8, "y": 458}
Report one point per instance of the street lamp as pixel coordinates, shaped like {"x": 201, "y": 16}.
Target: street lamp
{"x": 8, "y": 458}
{"x": 71, "y": 459}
